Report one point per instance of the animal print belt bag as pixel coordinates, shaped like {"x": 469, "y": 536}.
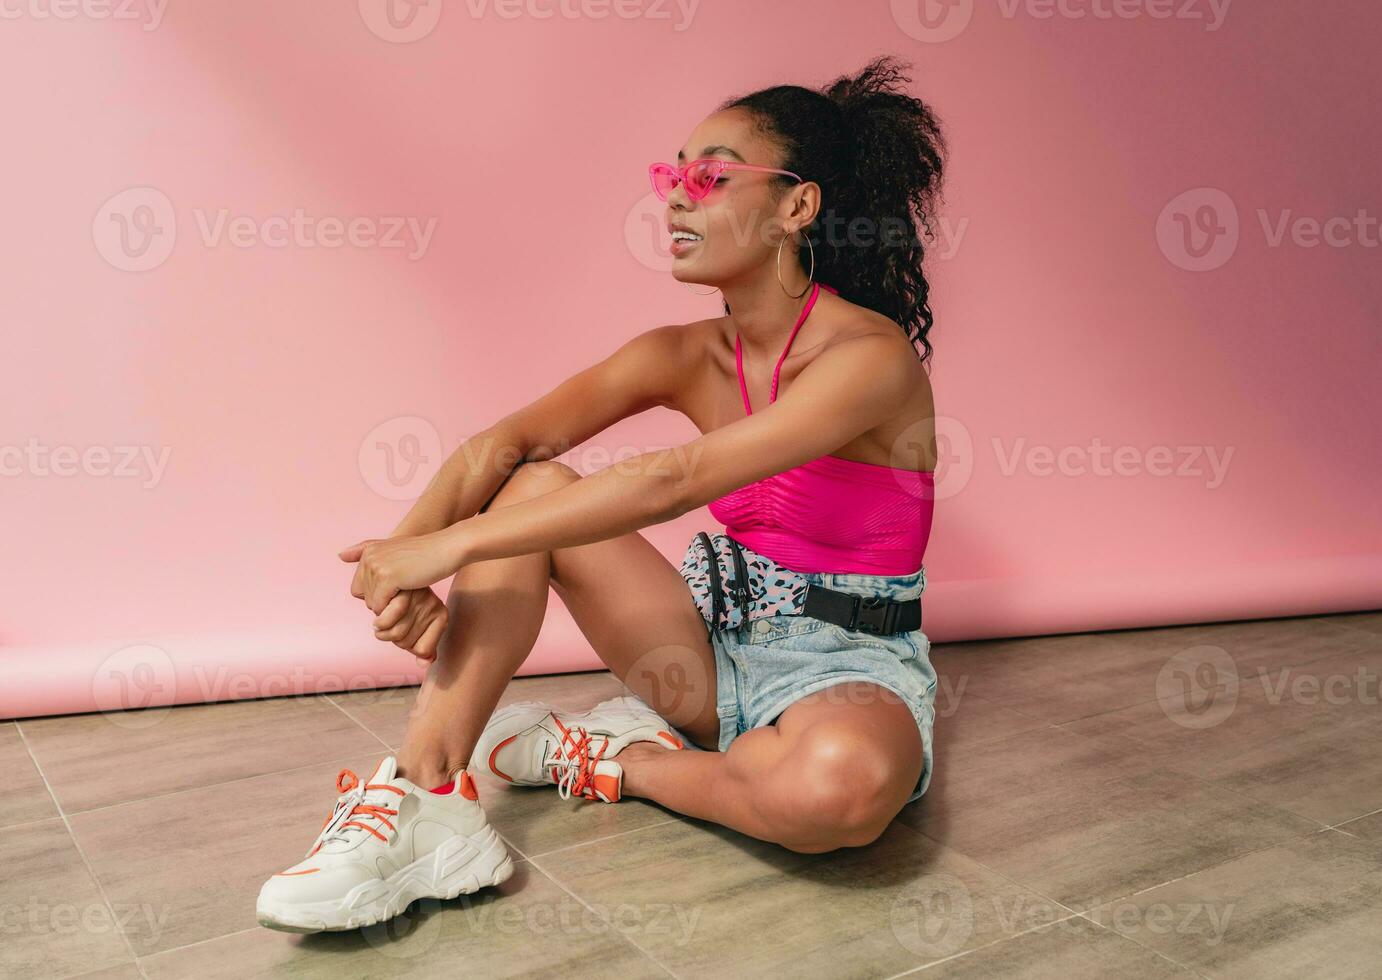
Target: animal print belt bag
{"x": 733, "y": 585}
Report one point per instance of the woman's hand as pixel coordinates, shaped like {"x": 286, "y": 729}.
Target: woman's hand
{"x": 414, "y": 620}
{"x": 389, "y": 566}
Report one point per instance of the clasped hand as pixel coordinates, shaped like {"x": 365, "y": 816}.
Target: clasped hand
{"x": 393, "y": 576}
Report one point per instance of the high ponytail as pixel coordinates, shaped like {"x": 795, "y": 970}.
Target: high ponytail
{"x": 878, "y": 155}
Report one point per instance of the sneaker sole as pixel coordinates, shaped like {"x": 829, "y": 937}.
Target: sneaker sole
{"x": 458, "y": 867}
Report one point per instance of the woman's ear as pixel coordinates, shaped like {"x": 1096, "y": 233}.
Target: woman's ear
{"x": 806, "y": 203}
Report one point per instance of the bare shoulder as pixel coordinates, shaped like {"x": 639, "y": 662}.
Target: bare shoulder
{"x": 863, "y": 343}
{"x": 859, "y": 334}
{"x": 662, "y": 359}
{"x": 672, "y": 338}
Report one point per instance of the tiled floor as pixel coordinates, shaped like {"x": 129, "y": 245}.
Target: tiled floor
{"x": 1194, "y": 801}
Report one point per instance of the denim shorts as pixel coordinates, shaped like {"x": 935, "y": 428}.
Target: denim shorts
{"x": 766, "y": 665}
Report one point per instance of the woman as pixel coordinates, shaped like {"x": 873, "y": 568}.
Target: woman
{"x": 797, "y": 663}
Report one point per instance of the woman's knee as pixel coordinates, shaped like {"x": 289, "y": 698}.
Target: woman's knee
{"x": 844, "y": 793}
{"x": 533, "y": 479}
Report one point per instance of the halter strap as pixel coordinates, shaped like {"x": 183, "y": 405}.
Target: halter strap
{"x": 739, "y": 350}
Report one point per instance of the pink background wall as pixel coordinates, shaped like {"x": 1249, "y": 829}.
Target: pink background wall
{"x": 291, "y": 394}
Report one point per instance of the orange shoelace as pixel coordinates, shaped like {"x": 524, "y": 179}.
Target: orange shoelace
{"x": 577, "y": 761}
{"x": 346, "y": 781}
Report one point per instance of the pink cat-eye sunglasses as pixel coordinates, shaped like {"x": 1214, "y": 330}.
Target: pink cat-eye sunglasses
{"x": 699, "y": 176}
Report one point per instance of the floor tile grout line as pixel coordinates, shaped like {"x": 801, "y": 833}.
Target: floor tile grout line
{"x": 196, "y": 789}
{"x": 375, "y": 735}
{"x": 1106, "y": 711}
{"x": 1209, "y": 867}
{"x": 199, "y": 942}
{"x": 1073, "y": 913}
{"x": 649, "y": 956}
{"x": 1118, "y": 898}
{"x": 995, "y": 942}
{"x": 81, "y": 853}
{"x": 1318, "y": 825}
{"x": 1362, "y": 816}
{"x": 607, "y": 837}
{"x": 1045, "y": 925}
{"x": 992, "y": 870}
{"x": 6, "y": 828}
{"x": 1346, "y": 833}
{"x": 510, "y": 844}
{"x": 1155, "y": 952}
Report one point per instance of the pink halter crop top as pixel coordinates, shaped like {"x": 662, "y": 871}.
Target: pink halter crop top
{"x": 830, "y": 514}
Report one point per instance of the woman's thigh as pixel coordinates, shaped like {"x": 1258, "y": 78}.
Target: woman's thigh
{"x": 633, "y": 607}
{"x": 636, "y": 611}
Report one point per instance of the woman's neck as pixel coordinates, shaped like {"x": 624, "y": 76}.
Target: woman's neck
{"x": 763, "y": 314}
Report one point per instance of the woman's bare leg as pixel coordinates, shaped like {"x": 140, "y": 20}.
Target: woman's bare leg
{"x": 629, "y": 601}
{"x": 832, "y": 772}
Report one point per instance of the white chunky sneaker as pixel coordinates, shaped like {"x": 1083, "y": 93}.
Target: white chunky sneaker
{"x": 386, "y": 844}
{"x": 535, "y": 744}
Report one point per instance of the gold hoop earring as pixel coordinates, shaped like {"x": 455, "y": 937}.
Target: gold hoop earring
{"x": 810, "y": 276}
{"x": 713, "y": 289}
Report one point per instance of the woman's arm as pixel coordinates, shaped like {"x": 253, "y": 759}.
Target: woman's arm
{"x": 846, "y": 391}
{"x": 643, "y": 372}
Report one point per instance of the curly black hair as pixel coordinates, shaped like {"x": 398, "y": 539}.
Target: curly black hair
{"x": 877, "y": 154}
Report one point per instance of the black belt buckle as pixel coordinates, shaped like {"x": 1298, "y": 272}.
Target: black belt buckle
{"x": 879, "y": 615}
